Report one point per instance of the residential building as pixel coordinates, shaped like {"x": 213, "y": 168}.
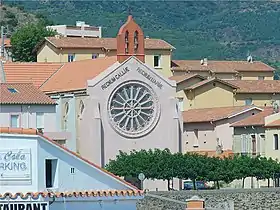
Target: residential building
{"x": 81, "y": 29}
{"x": 209, "y": 129}
{"x": 229, "y": 70}
{"x": 272, "y": 133}
{"x": 249, "y": 134}
{"x": 53, "y": 177}
{"x": 7, "y": 49}
{"x": 259, "y": 93}
{"x": 68, "y": 49}
{"x": 117, "y": 100}
{"x": 24, "y": 106}
{"x": 195, "y": 91}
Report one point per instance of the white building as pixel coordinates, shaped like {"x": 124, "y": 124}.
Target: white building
{"x": 80, "y": 30}
{"x": 22, "y": 105}
{"x": 37, "y": 173}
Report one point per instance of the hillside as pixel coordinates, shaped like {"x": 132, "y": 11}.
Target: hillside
{"x": 213, "y": 29}
{"x": 14, "y": 17}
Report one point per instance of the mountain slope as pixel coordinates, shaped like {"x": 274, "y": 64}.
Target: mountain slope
{"x": 213, "y": 29}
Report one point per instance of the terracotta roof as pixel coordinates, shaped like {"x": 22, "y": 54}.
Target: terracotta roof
{"x": 7, "y": 42}
{"x": 106, "y": 43}
{"x": 275, "y": 123}
{"x": 86, "y": 193}
{"x": 257, "y": 86}
{"x": 74, "y": 75}
{"x": 182, "y": 78}
{"x": 254, "y": 120}
{"x": 212, "y": 153}
{"x": 214, "y": 114}
{"x": 22, "y": 93}
{"x": 36, "y": 73}
{"x": 34, "y": 132}
{"x": 207, "y": 81}
{"x": 220, "y": 66}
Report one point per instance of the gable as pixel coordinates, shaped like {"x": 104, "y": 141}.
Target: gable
{"x": 213, "y": 86}
{"x": 131, "y": 69}
{"x": 187, "y": 83}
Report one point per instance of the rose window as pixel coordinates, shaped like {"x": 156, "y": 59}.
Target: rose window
{"x": 133, "y": 109}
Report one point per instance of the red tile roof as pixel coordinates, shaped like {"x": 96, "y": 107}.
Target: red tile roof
{"x": 36, "y": 73}
{"x": 257, "y": 86}
{"x": 34, "y": 132}
{"x": 74, "y": 75}
{"x": 182, "y": 78}
{"x": 254, "y": 120}
{"x": 7, "y": 42}
{"x": 220, "y": 66}
{"x": 207, "y": 81}
{"x": 101, "y": 43}
{"x": 211, "y": 153}
{"x": 86, "y": 193}
{"x": 275, "y": 123}
{"x": 23, "y": 93}
{"x": 213, "y": 114}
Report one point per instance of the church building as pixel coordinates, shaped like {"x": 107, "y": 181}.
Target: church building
{"x": 117, "y": 103}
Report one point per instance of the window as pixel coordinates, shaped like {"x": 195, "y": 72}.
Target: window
{"x": 72, "y": 170}
{"x": 248, "y": 102}
{"x": 15, "y": 121}
{"x": 157, "y": 59}
{"x": 50, "y": 169}
{"x": 94, "y": 56}
{"x": 276, "y": 142}
{"x": 254, "y": 144}
{"x": 39, "y": 120}
{"x": 12, "y": 90}
{"x": 71, "y": 57}
{"x": 181, "y": 104}
{"x": 260, "y": 77}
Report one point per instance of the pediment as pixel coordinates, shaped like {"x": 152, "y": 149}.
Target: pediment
{"x": 131, "y": 68}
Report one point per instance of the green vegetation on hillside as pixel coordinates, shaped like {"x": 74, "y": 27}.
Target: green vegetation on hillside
{"x": 14, "y": 17}
{"x": 213, "y": 29}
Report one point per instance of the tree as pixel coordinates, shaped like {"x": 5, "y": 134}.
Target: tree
{"x": 25, "y": 40}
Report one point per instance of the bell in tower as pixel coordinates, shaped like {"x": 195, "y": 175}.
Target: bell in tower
{"x": 130, "y": 41}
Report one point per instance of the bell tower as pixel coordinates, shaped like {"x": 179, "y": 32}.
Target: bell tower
{"x": 130, "y": 41}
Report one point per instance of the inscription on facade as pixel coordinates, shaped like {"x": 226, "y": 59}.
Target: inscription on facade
{"x": 15, "y": 164}
{"x": 114, "y": 78}
{"x": 149, "y": 77}
{"x": 25, "y": 206}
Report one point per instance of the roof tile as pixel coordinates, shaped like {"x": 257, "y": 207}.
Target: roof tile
{"x": 212, "y": 114}
{"x": 256, "y": 86}
{"x": 212, "y": 153}
{"x": 86, "y": 193}
{"x": 74, "y": 75}
{"x": 36, "y": 73}
{"x": 220, "y": 66}
{"x": 181, "y": 78}
{"x": 22, "y": 93}
{"x": 275, "y": 123}
{"x": 254, "y": 120}
{"x": 106, "y": 43}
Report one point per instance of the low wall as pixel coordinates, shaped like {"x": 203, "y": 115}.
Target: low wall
{"x": 244, "y": 199}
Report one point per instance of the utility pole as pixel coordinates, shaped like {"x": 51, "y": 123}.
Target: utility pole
{"x": 2, "y": 42}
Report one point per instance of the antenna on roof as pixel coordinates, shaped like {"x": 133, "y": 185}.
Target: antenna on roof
{"x": 129, "y": 10}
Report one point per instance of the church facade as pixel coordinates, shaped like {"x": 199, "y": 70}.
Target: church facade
{"x": 112, "y": 104}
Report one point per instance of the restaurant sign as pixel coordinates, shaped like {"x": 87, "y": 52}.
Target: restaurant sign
{"x": 15, "y": 164}
{"x": 24, "y": 206}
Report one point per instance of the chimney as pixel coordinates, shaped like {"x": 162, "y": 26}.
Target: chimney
{"x": 195, "y": 203}
{"x": 147, "y": 37}
{"x": 57, "y": 36}
{"x": 2, "y": 72}
{"x": 205, "y": 61}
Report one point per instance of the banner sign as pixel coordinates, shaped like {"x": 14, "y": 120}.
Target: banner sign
{"x": 25, "y": 206}
{"x": 15, "y": 164}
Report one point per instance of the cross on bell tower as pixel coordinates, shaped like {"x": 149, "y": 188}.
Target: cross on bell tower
{"x": 130, "y": 40}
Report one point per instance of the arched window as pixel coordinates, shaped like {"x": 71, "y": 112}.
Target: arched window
{"x": 126, "y": 42}
{"x": 135, "y": 41}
